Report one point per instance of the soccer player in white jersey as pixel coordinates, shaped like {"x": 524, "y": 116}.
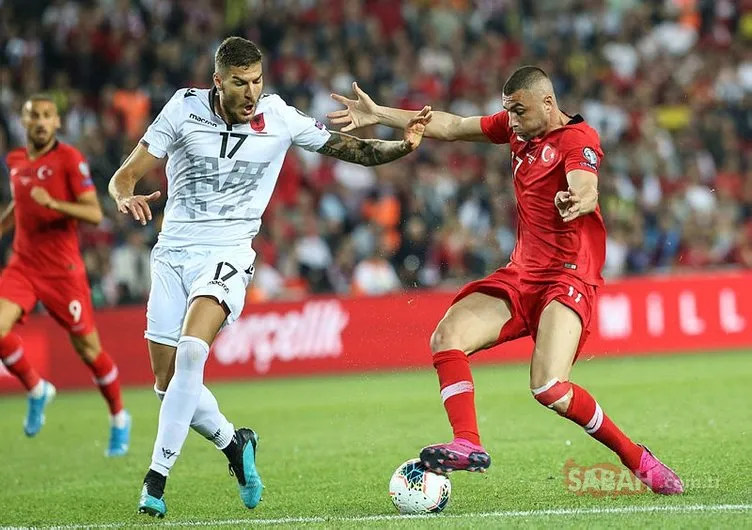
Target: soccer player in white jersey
{"x": 225, "y": 148}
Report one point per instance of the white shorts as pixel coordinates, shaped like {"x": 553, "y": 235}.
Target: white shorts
{"x": 178, "y": 275}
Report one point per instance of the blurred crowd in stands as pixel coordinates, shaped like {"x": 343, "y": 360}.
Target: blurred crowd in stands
{"x": 668, "y": 84}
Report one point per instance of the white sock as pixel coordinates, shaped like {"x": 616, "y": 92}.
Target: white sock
{"x": 180, "y": 403}
{"x": 208, "y": 421}
{"x": 120, "y": 419}
{"x": 38, "y": 390}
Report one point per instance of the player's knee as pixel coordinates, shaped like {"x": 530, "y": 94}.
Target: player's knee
{"x": 86, "y": 351}
{"x": 191, "y": 355}
{"x": 554, "y": 394}
{"x": 6, "y": 325}
{"x": 447, "y": 336}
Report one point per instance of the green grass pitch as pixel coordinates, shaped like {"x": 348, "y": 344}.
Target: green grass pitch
{"x": 329, "y": 445}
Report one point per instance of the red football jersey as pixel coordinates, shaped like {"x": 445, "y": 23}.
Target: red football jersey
{"x": 545, "y": 243}
{"x": 46, "y": 241}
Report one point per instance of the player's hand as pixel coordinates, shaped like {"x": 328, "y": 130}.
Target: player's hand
{"x": 42, "y": 197}
{"x": 360, "y": 112}
{"x": 568, "y": 203}
{"x": 138, "y": 206}
{"x": 416, "y": 127}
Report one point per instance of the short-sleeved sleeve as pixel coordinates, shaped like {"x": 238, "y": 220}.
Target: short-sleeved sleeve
{"x": 496, "y": 127}
{"x": 79, "y": 176}
{"x": 162, "y": 132}
{"x": 582, "y": 150}
{"x": 305, "y": 131}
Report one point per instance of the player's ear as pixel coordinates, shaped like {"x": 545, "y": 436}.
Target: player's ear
{"x": 548, "y": 101}
{"x": 217, "y": 81}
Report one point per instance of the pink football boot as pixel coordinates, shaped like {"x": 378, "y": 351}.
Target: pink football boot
{"x": 459, "y": 455}
{"x": 657, "y": 476}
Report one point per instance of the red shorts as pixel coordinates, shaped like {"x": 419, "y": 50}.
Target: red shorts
{"x": 66, "y": 298}
{"x": 529, "y": 295}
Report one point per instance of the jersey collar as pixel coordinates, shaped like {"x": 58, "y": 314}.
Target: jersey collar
{"x": 54, "y": 146}
{"x": 212, "y": 95}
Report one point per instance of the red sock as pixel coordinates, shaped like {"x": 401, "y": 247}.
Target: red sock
{"x": 14, "y": 360}
{"x": 458, "y": 393}
{"x": 585, "y": 412}
{"x": 106, "y": 377}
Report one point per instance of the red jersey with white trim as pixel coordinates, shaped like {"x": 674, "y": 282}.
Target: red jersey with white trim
{"x": 46, "y": 241}
{"x": 545, "y": 243}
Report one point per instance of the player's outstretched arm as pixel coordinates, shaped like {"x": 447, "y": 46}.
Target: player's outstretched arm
{"x": 363, "y": 111}
{"x": 371, "y": 152}
{"x": 8, "y": 219}
{"x": 582, "y": 196}
{"x": 86, "y": 208}
{"x": 123, "y": 182}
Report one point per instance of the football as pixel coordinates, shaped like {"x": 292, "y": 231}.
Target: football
{"x": 414, "y": 489}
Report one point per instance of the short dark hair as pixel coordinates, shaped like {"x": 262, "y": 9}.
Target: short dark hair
{"x": 236, "y": 51}
{"x": 40, "y": 96}
{"x": 524, "y": 78}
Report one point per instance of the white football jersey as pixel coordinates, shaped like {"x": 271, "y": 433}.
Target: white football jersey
{"x": 220, "y": 178}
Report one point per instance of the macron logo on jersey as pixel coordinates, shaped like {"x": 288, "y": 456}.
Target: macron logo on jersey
{"x": 202, "y": 120}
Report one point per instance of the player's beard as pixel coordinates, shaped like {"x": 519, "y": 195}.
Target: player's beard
{"x": 236, "y": 115}
{"x": 40, "y": 141}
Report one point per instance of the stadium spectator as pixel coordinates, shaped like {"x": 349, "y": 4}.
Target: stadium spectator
{"x": 668, "y": 84}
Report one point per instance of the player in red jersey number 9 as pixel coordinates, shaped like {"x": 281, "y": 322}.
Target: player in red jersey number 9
{"x": 52, "y": 191}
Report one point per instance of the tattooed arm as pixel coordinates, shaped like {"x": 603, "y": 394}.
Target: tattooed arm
{"x": 364, "y": 152}
{"x": 371, "y": 152}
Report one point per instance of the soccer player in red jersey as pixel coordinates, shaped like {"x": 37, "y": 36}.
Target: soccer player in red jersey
{"x": 52, "y": 191}
{"x": 547, "y": 290}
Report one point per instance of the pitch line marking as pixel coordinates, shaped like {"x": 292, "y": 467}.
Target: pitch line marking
{"x": 554, "y": 512}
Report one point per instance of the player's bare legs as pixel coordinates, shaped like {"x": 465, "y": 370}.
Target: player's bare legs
{"x": 40, "y": 392}
{"x": 106, "y": 377}
{"x": 470, "y": 325}
{"x": 162, "y": 357}
{"x": 181, "y": 409}
{"x": 559, "y": 331}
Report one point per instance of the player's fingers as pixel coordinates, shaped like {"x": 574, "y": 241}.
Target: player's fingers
{"x": 153, "y": 196}
{"x": 135, "y": 211}
{"x": 340, "y": 121}
{"x": 142, "y": 215}
{"x": 343, "y": 113}
{"x": 145, "y": 211}
{"x": 342, "y": 99}
{"x": 348, "y": 128}
{"x": 358, "y": 91}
